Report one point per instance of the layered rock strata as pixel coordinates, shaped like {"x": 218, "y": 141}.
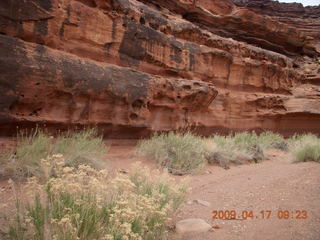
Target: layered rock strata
{"x": 134, "y": 67}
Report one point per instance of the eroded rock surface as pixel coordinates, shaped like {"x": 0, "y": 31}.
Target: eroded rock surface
{"x": 133, "y": 67}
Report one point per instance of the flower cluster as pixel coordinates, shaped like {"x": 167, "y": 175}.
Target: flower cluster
{"x": 85, "y": 203}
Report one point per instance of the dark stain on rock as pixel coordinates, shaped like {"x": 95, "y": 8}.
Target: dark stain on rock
{"x": 107, "y": 47}
{"x": 177, "y": 51}
{"x": 154, "y": 18}
{"x": 89, "y": 3}
{"x": 114, "y": 29}
{"x": 132, "y": 49}
{"x": 81, "y": 75}
{"x": 45, "y": 4}
{"x": 193, "y": 50}
{"x": 6, "y": 23}
{"x": 122, "y": 5}
{"x": 62, "y": 72}
{"x": 66, "y": 21}
{"x": 137, "y": 104}
{"x": 13, "y": 58}
{"x": 44, "y": 66}
{"x": 61, "y": 31}
{"x": 26, "y": 10}
{"x": 192, "y": 61}
{"x": 142, "y": 21}
{"x": 41, "y": 27}
{"x": 133, "y": 116}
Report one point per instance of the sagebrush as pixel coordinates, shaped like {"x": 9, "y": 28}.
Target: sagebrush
{"x": 238, "y": 148}
{"x": 178, "y": 153}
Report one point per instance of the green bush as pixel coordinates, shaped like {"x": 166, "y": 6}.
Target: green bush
{"x": 178, "y": 153}
{"x": 83, "y": 147}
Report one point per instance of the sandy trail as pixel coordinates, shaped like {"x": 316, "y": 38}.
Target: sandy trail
{"x": 273, "y": 185}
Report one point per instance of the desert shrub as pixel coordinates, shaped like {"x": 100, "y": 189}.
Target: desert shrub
{"x": 184, "y": 153}
{"x": 305, "y": 147}
{"x": 219, "y": 153}
{"x": 265, "y": 140}
{"x": 245, "y": 140}
{"x": 239, "y": 141}
{"x": 308, "y": 152}
{"x": 84, "y": 147}
{"x": 178, "y": 153}
{"x": 84, "y": 203}
{"x": 298, "y": 140}
{"x": 24, "y": 160}
{"x": 270, "y": 139}
{"x": 233, "y": 149}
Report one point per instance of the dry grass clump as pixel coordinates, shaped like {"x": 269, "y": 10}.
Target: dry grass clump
{"x": 178, "y": 153}
{"x": 83, "y": 147}
{"x": 305, "y": 147}
{"x": 84, "y": 203}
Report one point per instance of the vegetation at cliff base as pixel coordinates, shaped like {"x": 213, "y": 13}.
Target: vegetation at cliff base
{"x": 82, "y": 147}
{"x": 178, "y": 153}
{"x": 305, "y": 147}
{"x": 187, "y": 153}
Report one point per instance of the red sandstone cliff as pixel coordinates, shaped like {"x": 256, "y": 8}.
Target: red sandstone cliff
{"x": 134, "y": 67}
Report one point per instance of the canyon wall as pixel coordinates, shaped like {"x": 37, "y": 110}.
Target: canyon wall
{"x": 134, "y": 67}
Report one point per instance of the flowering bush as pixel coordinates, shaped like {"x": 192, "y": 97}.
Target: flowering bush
{"x": 84, "y": 203}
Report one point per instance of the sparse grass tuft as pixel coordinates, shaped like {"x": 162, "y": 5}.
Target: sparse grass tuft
{"x": 84, "y": 147}
{"x": 84, "y": 203}
{"x": 178, "y": 153}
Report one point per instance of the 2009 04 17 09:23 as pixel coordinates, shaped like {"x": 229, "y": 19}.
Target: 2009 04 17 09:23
{"x": 262, "y": 214}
